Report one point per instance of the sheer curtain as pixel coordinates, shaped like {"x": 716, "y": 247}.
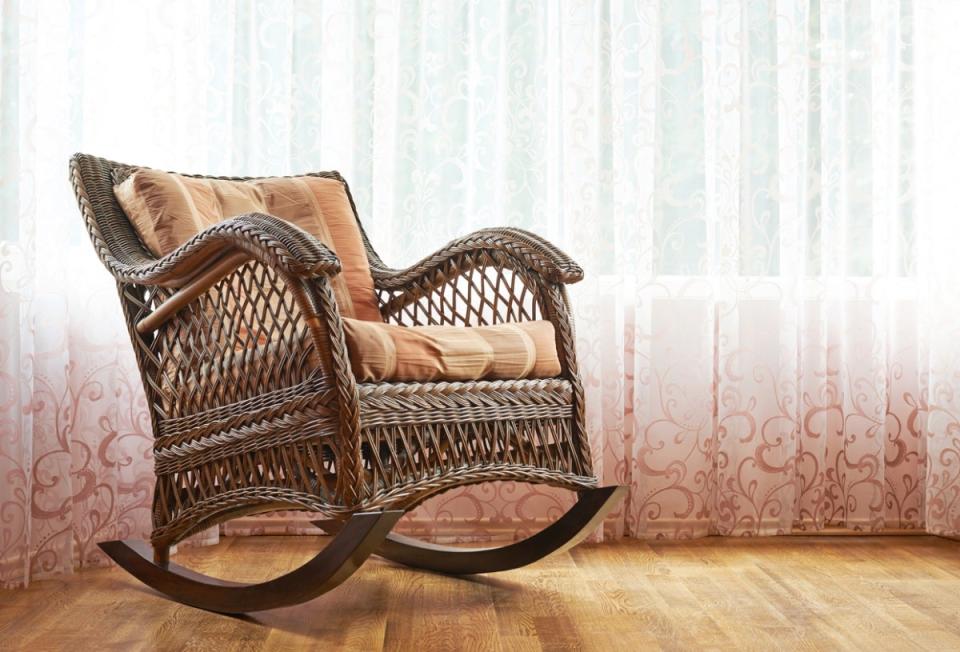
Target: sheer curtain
{"x": 762, "y": 194}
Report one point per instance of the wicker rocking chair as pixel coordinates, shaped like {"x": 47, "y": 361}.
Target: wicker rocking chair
{"x": 240, "y": 431}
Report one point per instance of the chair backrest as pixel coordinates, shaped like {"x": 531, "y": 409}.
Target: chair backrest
{"x": 114, "y": 237}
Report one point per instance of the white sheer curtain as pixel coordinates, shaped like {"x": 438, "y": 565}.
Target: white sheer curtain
{"x": 762, "y": 195}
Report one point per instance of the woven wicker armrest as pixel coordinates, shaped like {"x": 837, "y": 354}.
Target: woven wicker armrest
{"x": 528, "y": 250}
{"x": 270, "y": 240}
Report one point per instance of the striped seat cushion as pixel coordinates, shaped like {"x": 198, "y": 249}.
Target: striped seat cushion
{"x": 387, "y": 352}
{"x": 168, "y": 209}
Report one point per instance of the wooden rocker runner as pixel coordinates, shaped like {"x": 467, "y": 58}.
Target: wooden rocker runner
{"x": 282, "y": 376}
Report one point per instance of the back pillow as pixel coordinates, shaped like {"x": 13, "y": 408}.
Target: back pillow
{"x": 167, "y": 209}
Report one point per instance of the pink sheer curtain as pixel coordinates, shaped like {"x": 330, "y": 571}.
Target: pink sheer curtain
{"x": 761, "y": 195}
{"x": 750, "y": 412}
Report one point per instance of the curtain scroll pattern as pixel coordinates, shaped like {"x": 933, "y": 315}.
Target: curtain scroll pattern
{"x": 759, "y": 191}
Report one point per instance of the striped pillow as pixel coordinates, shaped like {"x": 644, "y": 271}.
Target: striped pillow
{"x": 168, "y": 209}
{"x": 387, "y": 352}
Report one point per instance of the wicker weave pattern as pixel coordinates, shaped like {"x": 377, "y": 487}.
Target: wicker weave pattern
{"x": 252, "y": 399}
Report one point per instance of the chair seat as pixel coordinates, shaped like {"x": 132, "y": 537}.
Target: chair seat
{"x": 390, "y": 353}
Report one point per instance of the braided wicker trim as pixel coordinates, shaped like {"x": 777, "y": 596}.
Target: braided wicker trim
{"x": 203, "y": 513}
{"x": 392, "y": 417}
{"x": 489, "y": 392}
{"x": 504, "y": 400}
{"x": 407, "y": 496}
{"x": 315, "y": 392}
{"x": 528, "y": 250}
{"x": 291, "y": 428}
{"x": 266, "y": 238}
{"x": 209, "y": 511}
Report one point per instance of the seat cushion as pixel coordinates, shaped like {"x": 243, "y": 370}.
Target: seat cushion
{"x": 386, "y": 352}
{"x": 168, "y": 209}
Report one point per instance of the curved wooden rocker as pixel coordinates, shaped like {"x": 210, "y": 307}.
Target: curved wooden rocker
{"x": 360, "y": 536}
{"x": 569, "y": 530}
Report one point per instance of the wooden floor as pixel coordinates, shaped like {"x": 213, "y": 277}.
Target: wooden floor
{"x": 816, "y": 593}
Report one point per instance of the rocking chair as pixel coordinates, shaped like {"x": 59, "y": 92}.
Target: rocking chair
{"x": 255, "y": 406}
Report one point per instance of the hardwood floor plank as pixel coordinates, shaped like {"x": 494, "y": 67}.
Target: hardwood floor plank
{"x": 789, "y": 593}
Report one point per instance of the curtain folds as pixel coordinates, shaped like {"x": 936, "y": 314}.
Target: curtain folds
{"x": 760, "y": 192}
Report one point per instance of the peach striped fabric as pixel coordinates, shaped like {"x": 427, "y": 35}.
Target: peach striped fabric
{"x": 168, "y": 209}
{"x": 387, "y": 352}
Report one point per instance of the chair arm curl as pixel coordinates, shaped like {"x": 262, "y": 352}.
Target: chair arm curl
{"x": 270, "y": 240}
{"x": 527, "y": 249}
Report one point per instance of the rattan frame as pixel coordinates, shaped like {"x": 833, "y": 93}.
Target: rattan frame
{"x": 243, "y": 428}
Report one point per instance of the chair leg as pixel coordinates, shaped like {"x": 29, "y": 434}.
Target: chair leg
{"x": 161, "y": 555}
{"x": 569, "y": 530}
{"x": 359, "y": 537}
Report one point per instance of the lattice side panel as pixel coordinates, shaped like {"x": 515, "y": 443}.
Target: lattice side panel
{"x": 417, "y": 432}
{"x": 241, "y": 408}
{"x": 241, "y": 337}
{"x": 472, "y": 289}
